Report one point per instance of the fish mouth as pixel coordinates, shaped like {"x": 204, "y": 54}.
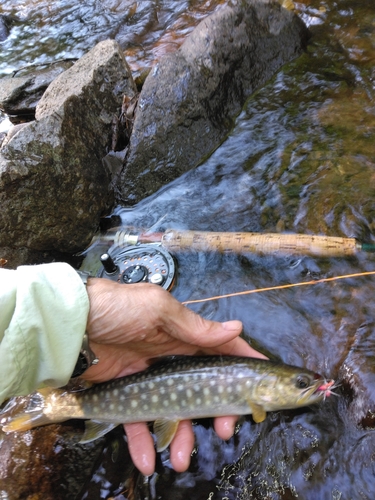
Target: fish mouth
{"x": 321, "y": 389}
{"x": 326, "y": 388}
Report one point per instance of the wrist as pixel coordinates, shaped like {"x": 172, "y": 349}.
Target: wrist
{"x": 86, "y": 357}
{"x": 104, "y": 307}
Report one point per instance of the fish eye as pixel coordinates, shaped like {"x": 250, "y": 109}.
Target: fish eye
{"x": 302, "y": 382}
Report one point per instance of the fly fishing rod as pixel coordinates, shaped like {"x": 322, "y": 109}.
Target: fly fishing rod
{"x": 176, "y": 241}
{"x": 136, "y": 256}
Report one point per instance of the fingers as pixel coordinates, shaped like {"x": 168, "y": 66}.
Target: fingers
{"x": 182, "y": 446}
{"x": 225, "y": 426}
{"x": 185, "y": 325}
{"x": 239, "y": 347}
{"x": 182, "y": 323}
{"x": 141, "y": 447}
{"x": 222, "y": 338}
{"x": 143, "y": 311}
{"x": 142, "y": 450}
{"x": 193, "y": 329}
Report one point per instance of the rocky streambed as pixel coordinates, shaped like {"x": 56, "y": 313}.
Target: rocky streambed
{"x": 300, "y": 158}
{"x": 54, "y": 185}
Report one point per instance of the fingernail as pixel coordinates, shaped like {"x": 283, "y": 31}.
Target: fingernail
{"x": 228, "y": 429}
{"x": 232, "y": 326}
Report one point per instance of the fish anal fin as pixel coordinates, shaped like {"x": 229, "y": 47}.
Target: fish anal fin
{"x": 257, "y": 411}
{"x": 95, "y": 430}
{"x": 165, "y": 431}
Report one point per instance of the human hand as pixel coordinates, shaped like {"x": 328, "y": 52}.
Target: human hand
{"x": 128, "y": 325}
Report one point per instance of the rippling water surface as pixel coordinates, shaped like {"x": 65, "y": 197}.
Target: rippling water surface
{"x": 300, "y": 159}
{"x": 43, "y": 31}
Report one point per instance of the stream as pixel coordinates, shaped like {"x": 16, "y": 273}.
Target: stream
{"x": 300, "y": 159}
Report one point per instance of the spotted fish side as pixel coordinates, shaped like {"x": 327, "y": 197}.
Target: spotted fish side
{"x": 175, "y": 392}
{"x": 180, "y": 388}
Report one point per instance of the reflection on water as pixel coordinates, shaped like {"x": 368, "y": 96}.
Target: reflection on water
{"x": 44, "y": 31}
{"x": 301, "y": 159}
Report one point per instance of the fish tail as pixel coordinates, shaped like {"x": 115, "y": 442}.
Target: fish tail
{"x": 26, "y": 421}
{"x": 33, "y": 416}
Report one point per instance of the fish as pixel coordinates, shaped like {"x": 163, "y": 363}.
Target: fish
{"x": 175, "y": 389}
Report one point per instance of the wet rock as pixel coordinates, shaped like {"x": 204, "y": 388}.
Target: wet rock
{"x": 19, "y": 95}
{"x": 46, "y": 463}
{"x": 114, "y": 470}
{"x": 190, "y": 99}
{"x": 4, "y": 27}
{"x": 53, "y": 185}
{"x": 49, "y": 463}
{"x": 15, "y": 257}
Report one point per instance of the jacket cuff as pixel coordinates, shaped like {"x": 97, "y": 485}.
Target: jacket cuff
{"x": 42, "y": 343}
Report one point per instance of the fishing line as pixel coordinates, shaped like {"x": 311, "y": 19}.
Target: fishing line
{"x": 280, "y": 287}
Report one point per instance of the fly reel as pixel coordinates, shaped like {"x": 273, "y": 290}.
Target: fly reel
{"x": 138, "y": 264}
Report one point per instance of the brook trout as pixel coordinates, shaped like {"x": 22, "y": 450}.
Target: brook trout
{"x": 178, "y": 388}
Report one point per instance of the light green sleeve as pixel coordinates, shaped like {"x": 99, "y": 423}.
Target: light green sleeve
{"x": 43, "y": 316}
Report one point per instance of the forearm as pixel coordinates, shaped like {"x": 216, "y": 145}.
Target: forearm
{"x": 44, "y": 312}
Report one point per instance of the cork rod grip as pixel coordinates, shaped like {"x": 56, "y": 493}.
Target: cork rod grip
{"x": 268, "y": 243}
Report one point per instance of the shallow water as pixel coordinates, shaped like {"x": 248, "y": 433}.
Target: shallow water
{"x": 44, "y": 31}
{"x": 300, "y": 159}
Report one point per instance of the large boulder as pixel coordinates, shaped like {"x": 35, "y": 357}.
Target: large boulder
{"x": 53, "y": 185}
{"x": 190, "y": 99}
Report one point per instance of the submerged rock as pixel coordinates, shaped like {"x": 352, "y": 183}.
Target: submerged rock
{"x": 46, "y": 463}
{"x": 191, "y": 98}
{"x": 53, "y": 185}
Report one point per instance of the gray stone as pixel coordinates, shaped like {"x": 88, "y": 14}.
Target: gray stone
{"x": 11, "y": 132}
{"x": 19, "y": 95}
{"x": 191, "y": 98}
{"x": 4, "y": 27}
{"x": 53, "y": 185}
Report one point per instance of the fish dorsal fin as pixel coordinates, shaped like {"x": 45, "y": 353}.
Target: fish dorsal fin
{"x": 162, "y": 360}
{"x": 257, "y": 411}
{"x": 165, "y": 431}
{"x": 95, "y": 430}
{"x": 165, "y": 360}
{"x": 168, "y": 361}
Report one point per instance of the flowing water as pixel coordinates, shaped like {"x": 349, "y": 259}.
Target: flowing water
{"x": 301, "y": 158}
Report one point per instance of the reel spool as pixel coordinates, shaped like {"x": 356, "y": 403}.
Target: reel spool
{"x": 138, "y": 264}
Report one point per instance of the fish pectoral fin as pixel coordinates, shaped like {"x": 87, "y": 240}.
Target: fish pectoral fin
{"x": 95, "y": 430}
{"x": 257, "y": 411}
{"x": 165, "y": 431}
